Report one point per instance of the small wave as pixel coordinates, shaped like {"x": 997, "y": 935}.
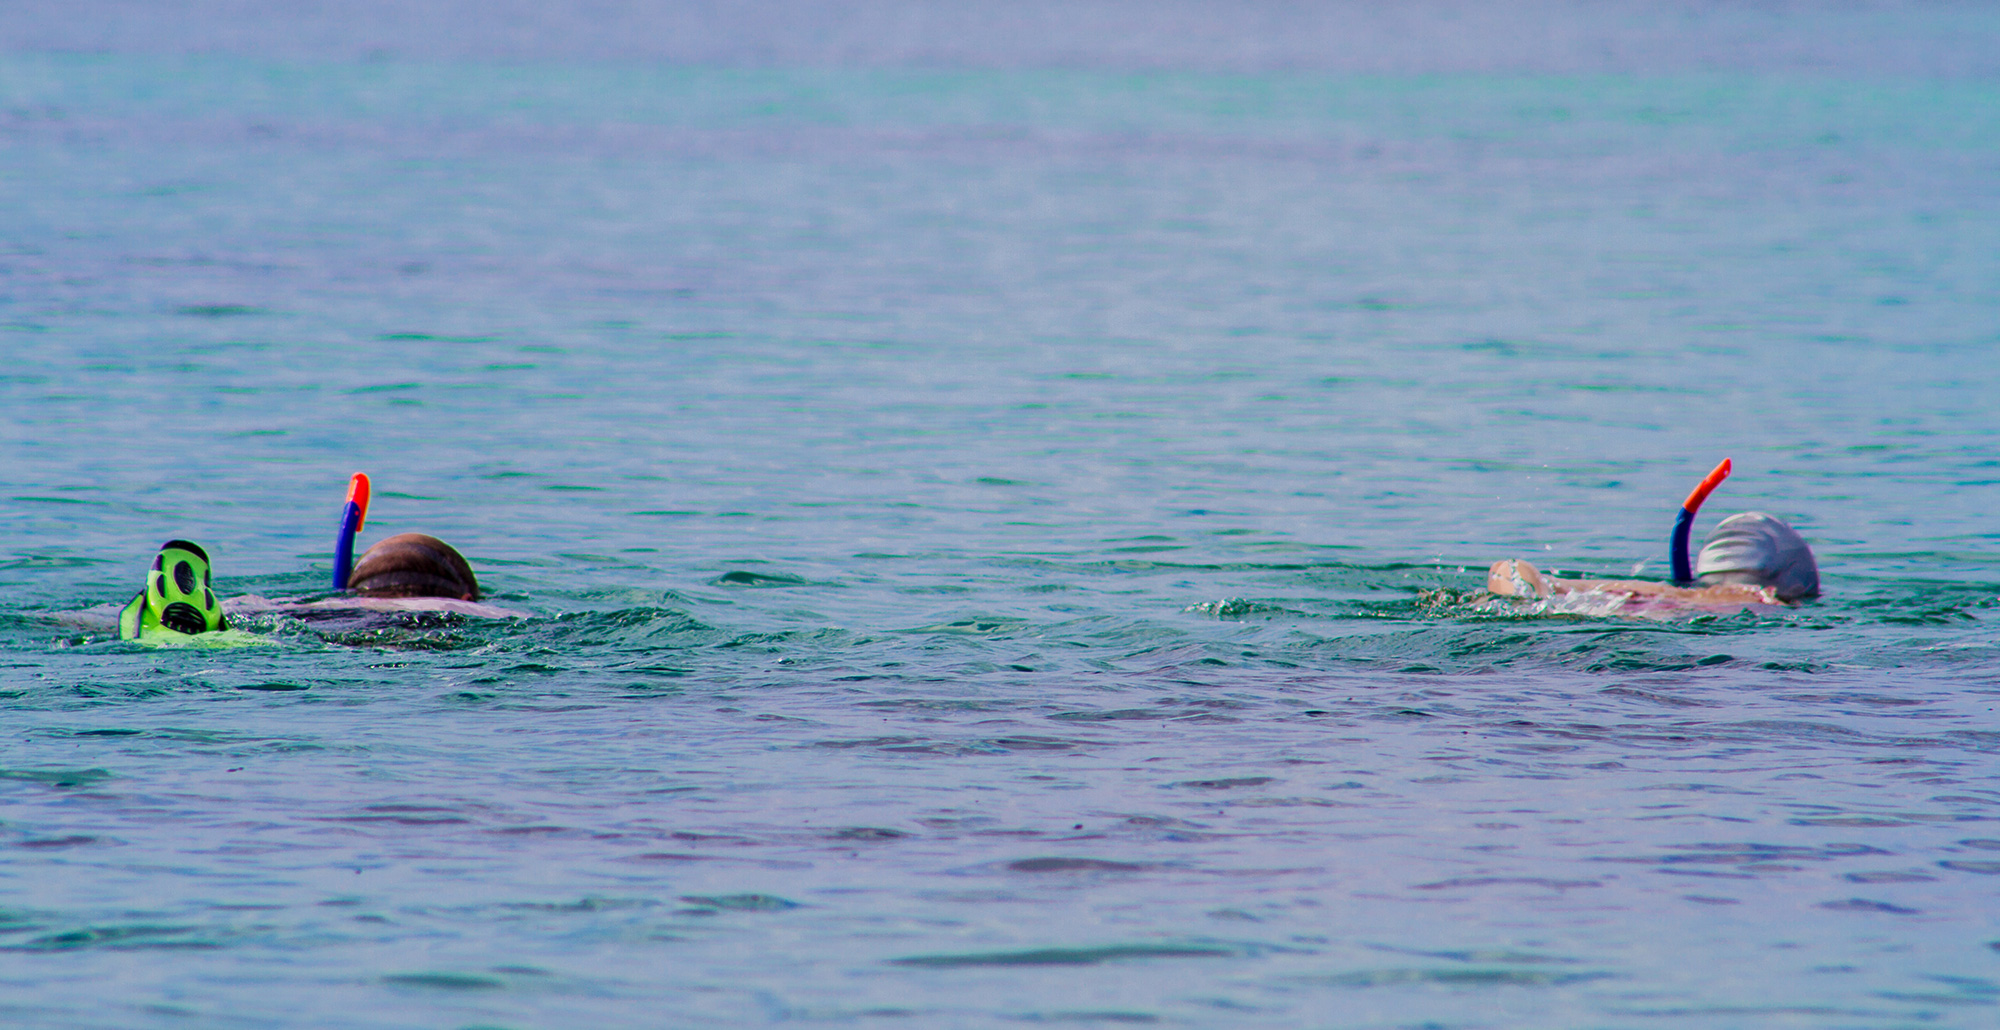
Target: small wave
{"x": 1068, "y": 956}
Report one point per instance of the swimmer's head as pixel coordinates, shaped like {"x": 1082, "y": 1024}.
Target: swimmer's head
{"x": 414, "y": 565}
{"x": 179, "y": 595}
{"x": 1759, "y": 550}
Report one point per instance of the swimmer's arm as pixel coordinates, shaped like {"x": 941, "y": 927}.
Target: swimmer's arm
{"x": 1516, "y": 578}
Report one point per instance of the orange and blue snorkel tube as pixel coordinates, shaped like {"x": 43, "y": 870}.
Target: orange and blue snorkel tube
{"x": 1677, "y": 550}
{"x": 352, "y": 516}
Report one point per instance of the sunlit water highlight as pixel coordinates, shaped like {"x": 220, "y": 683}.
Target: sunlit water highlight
{"x": 1000, "y": 539}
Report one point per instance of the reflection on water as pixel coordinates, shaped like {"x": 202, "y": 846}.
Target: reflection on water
{"x": 1000, "y": 543}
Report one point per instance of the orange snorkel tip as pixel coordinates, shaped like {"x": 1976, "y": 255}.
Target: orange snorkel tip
{"x": 1701, "y": 492}
{"x": 357, "y": 495}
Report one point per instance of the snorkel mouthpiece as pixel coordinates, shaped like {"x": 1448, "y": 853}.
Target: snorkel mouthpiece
{"x": 353, "y": 516}
{"x": 1677, "y": 548}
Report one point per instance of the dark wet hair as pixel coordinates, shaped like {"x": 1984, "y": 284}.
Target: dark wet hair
{"x": 414, "y": 565}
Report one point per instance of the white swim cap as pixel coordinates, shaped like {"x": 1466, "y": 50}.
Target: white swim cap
{"x": 1760, "y": 550}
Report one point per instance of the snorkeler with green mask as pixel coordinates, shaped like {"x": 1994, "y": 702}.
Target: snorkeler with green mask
{"x": 178, "y": 599}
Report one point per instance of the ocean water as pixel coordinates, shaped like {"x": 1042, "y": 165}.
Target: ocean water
{"x": 999, "y": 500}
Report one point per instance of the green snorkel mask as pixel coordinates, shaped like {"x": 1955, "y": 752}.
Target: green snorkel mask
{"x": 179, "y": 596}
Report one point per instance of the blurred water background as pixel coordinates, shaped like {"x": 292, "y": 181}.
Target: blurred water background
{"x": 1000, "y": 495}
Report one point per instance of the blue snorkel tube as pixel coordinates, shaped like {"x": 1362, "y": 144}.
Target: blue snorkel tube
{"x": 352, "y": 516}
{"x": 1677, "y": 548}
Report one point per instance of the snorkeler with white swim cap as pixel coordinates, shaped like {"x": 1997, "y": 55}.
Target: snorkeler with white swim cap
{"x": 1750, "y": 558}
{"x": 405, "y": 573}
{"x": 404, "y": 565}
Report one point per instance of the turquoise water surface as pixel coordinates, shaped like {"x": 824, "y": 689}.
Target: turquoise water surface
{"x": 999, "y": 509}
